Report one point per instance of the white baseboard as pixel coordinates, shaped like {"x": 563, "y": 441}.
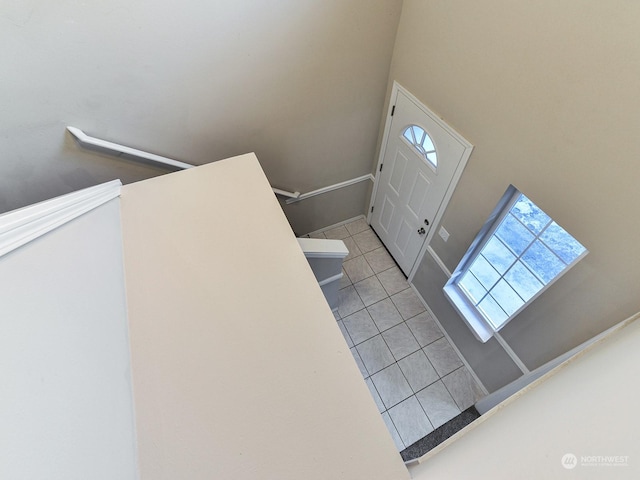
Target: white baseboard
{"x": 439, "y": 261}
{"x": 516, "y": 359}
{"x": 336, "y": 225}
{"x": 501, "y": 341}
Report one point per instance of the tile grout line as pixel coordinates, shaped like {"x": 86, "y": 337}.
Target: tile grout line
{"x": 446, "y": 335}
{"x": 421, "y": 348}
{"x": 449, "y": 391}
{"x": 396, "y": 428}
{"x": 397, "y": 362}
{"x": 415, "y": 393}
{"x": 381, "y": 332}
{"x": 394, "y": 425}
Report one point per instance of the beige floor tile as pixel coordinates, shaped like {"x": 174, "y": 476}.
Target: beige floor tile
{"x": 367, "y": 241}
{"x": 408, "y": 303}
{"x": 357, "y": 268}
{"x": 357, "y": 226}
{"x": 370, "y": 290}
{"x": 393, "y": 280}
{"x": 380, "y": 260}
{"x": 337, "y": 233}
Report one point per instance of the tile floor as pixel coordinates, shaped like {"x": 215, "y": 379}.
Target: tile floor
{"x": 414, "y": 375}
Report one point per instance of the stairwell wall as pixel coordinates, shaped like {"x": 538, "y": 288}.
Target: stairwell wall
{"x": 299, "y": 82}
{"x": 549, "y": 110}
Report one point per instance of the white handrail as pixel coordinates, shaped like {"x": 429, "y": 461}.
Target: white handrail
{"x": 330, "y": 188}
{"x": 284, "y": 193}
{"x": 85, "y": 139}
{"x": 292, "y": 197}
{"x": 114, "y": 147}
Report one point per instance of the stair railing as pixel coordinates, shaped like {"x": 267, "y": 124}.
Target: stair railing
{"x": 85, "y": 139}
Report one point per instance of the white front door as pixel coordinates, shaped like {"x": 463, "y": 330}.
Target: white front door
{"x": 420, "y": 159}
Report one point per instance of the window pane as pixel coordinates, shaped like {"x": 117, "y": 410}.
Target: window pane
{"x": 510, "y": 263}
{"x": 498, "y": 255}
{"x": 507, "y": 297}
{"x": 523, "y": 281}
{"x": 428, "y": 144}
{"x": 492, "y": 311}
{"x": 565, "y": 246}
{"x": 419, "y": 138}
{"x": 484, "y": 272}
{"x": 542, "y": 262}
{"x": 529, "y": 214}
{"x": 475, "y": 291}
{"x": 514, "y": 234}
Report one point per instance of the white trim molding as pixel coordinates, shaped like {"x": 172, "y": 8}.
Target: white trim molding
{"x": 336, "y": 225}
{"x": 26, "y": 224}
{"x": 501, "y": 341}
{"x": 439, "y": 261}
{"x": 446, "y": 335}
{"x": 329, "y": 280}
{"x": 323, "y": 248}
{"x": 490, "y": 401}
{"x": 468, "y": 148}
{"x": 507, "y": 348}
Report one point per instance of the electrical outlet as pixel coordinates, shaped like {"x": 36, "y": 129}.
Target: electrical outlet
{"x": 443, "y": 234}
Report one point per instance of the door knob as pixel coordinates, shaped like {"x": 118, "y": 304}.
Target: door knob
{"x": 421, "y": 231}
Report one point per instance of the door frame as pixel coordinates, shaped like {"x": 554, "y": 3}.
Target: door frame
{"x": 468, "y": 148}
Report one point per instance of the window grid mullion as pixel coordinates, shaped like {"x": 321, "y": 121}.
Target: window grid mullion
{"x": 501, "y": 308}
{"x": 518, "y": 257}
{"x": 487, "y": 289}
{"x": 551, "y": 249}
{"x": 525, "y": 281}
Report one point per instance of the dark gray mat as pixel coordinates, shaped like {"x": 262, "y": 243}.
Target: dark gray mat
{"x": 439, "y": 435}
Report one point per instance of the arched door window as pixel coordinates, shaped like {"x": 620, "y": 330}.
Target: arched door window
{"x": 422, "y": 143}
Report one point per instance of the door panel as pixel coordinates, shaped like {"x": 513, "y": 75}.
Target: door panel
{"x": 409, "y": 189}
{"x": 386, "y": 214}
{"x": 397, "y": 172}
{"x": 418, "y": 194}
{"x": 402, "y": 239}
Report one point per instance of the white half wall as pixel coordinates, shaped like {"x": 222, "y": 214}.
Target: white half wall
{"x": 578, "y": 421}
{"x": 66, "y": 407}
{"x": 240, "y": 369}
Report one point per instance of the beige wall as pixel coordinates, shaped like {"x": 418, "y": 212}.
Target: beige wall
{"x": 547, "y": 92}
{"x": 299, "y": 82}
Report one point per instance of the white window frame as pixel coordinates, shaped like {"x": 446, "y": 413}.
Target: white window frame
{"x": 475, "y": 320}
{"x": 418, "y": 146}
